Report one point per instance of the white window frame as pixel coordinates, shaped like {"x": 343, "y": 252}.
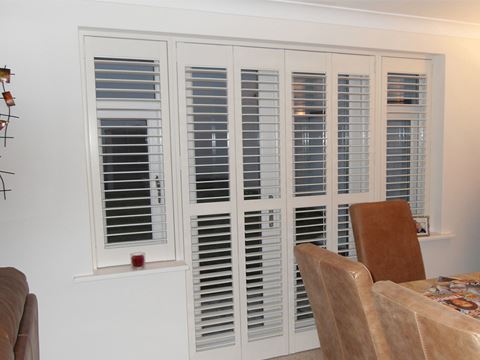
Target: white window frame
{"x": 106, "y": 255}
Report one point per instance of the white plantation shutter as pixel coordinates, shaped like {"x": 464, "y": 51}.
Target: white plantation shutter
{"x": 260, "y": 134}
{"x": 128, "y": 123}
{"x": 212, "y": 281}
{"x": 205, "y": 77}
{"x": 260, "y": 164}
{"x": 309, "y": 133}
{"x": 353, "y": 134}
{"x": 264, "y": 273}
{"x": 276, "y": 145}
{"x": 308, "y": 171}
{"x": 353, "y": 108}
{"x": 207, "y": 123}
{"x": 406, "y": 114}
{"x": 310, "y": 227}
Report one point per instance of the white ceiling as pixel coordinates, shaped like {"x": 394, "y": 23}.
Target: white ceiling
{"x": 467, "y": 11}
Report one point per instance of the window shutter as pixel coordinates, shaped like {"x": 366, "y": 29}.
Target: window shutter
{"x": 353, "y": 108}
{"x": 264, "y": 274}
{"x": 309, "y": 133}
{"x": 310, "y": 227}
{"x": 210, "y": 213}
{"x": 129, "y": 120}
{"x": 308, "y": 172}
{"x": 207, "y": 121}
{"x": 260, "y": 133}
{"x": 406, "y": 117}
{"x": 260, "y": 156}
{"x": 212, "y": 281}
{"x": 353, "y": 124}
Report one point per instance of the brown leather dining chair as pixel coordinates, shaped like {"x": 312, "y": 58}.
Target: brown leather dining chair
{"x": 339, "y": 291}
{"x": 419, "y": 328}
{"x": 386, "y": 240}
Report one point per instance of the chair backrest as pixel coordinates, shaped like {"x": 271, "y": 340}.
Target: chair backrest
{"x": 386, "y": 240}
{"x": 419, "y": 328}
{"x": 340, "y": 295}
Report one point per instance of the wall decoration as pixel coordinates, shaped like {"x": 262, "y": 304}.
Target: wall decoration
{"x": 5, "y": 118}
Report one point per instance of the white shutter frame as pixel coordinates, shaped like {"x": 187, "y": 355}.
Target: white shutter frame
{"x": 97, "y": 47}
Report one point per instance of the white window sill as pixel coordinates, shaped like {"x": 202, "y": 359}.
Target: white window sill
{"x": 436, "y": 236}
{"x": 126, "y": 271}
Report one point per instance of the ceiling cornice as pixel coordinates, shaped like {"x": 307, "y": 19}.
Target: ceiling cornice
{"x": 325, "y": 14}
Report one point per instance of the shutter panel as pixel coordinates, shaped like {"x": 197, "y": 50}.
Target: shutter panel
{"x": 310, "y": 227}
{"x": 263, "y": 276}
{"x": 131, "y": 151}
{"x": 264, "y": 268}
{"x": 308, "y": 172}
{"x": 131, "y": 120}
{"x": 406, "y": 118}
{"x": 212, "y": 281}
{"x": 260, "y": 122}
{"x": 309, "y": 133}
{"x": 205, "y": 78}
{"x": 353, "y": 105}
{"x": 207, "y": 121}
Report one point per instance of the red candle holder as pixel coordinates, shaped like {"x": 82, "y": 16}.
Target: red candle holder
{"x": 138, "y": 260}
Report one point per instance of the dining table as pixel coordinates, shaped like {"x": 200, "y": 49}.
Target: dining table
{"x": 422, "y": 286}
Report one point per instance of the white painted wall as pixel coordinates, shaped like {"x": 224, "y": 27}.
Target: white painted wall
{"x": 45, "y": 221}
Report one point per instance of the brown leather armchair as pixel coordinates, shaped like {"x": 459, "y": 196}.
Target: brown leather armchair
{"x": 419, "y": 328}
{"x": 340, "y": 295}
{"x": 386, "y": 240}
{"x": 18, "y": 317}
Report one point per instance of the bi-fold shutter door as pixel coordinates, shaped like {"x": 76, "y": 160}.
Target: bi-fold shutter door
{"x": 130, "y": 147}
{"x": 231, "y": 126}
{"x": 260, "y": 182}
{"x": 405, "y": 113}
